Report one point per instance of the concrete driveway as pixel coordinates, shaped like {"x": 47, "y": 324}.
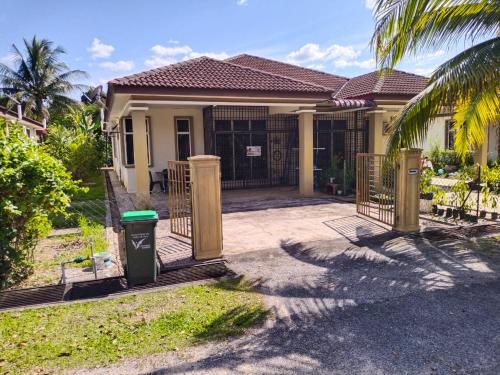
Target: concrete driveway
{"x": 364, "y": 303}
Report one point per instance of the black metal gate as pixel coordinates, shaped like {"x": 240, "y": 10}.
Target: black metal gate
{"x": 256, "y": 149}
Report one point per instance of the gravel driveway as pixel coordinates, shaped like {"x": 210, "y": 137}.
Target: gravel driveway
{"x": 427, "y": 304}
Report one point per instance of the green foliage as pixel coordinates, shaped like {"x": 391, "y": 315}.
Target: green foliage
{"x": 33, "y": 185}
{"x": 93, "y": 236}
{"x": 468, "y": 82}
{"x": 460, "y": 190}
{"x": 40, "y": 79}
{"x": 81, "y": 152}
{"x": 426, "y": 186}
{"x": 45, "y": 340}
{"x": 440, "y": 158}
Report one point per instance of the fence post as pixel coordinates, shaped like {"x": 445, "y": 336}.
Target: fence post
{"x": 206, "y": 208}
{"x": 408, "y": 191}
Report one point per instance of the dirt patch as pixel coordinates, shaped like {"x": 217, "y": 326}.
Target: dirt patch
{"x": 49, "y": 254}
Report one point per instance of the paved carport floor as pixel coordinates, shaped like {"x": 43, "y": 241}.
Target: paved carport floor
{"x": 425, "y": 304}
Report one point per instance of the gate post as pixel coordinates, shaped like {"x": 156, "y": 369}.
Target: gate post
{"x": 206, "y": 208}
{"x": 407, "y": 191}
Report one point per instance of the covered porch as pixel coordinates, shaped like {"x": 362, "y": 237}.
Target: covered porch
{"x": 260, "y": 144}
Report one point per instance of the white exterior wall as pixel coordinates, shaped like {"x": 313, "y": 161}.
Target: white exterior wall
{"x": 493, "y": 138}
{"x": 436, "y": 135}
{"x": 162, "y": 140}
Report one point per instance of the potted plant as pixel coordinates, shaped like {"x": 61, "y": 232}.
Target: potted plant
{"x": 494, "y": 203}
{"x": 438, "y": 200}
{"x": 427, "y": 190}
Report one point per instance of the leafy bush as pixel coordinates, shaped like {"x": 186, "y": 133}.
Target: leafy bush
{"x": 94, "y": 238}
{"x": 79, "y": 151}
{"x": 33, "y": 185}
{"x": 440, "y": 158}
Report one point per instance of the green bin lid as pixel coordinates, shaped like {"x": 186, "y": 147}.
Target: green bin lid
{"x": 139, "y": 215}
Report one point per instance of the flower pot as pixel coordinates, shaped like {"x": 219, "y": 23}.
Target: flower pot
{"x": 482, "y": 214}
{"x": 440, "y": 211}
{"x": 449, "y": 212}
{"x": 435, "y": 209}
{"x": 455, "y": 213}
{"x": 494, "y": 216}
{"x": 461, "y": 214}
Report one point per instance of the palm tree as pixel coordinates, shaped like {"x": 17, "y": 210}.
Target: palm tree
{"x": 40, "y": 80}
{"x": 469, "y": 82}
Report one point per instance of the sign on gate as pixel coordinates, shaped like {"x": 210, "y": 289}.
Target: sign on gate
{"x": 254, "y": 150}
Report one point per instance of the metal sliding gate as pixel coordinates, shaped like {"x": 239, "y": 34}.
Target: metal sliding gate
{"x": 179, "y": 198}
{"x": 375, "y": 187}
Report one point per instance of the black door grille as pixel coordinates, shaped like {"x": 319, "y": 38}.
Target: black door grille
{"x": 230, "y": 130}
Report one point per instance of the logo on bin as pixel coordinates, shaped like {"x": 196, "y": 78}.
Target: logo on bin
{"x": 138, "y": 241}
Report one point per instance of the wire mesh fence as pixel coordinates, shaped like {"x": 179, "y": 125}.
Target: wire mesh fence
{"x": 94, "y": 210}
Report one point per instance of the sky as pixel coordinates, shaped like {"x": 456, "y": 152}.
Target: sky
{"x": 114, "y": 38}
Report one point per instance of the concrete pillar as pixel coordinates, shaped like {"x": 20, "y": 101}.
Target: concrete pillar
{"x": 141, "y": 159}
{"x": 376, "y": 132}
{"x": 481, "y": 153}
{"x": 206, "y": 224}
{"x": 306, "y": 154}
{"x": 408, "y": 190}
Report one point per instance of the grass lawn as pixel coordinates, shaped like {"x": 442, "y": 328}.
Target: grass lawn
{"x": 95, "y": 187}
{"x": 105, "y": 331}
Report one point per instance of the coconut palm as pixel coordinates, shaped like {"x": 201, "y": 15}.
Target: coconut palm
{"x": 40, "y": 80}
{"x": 469, "y": 82}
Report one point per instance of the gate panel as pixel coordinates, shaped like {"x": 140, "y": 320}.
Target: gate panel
{"x": 375, "y": 187}
{"x": 179, "y": 198}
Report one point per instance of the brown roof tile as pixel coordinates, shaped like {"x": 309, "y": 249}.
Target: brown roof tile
{"x": 393, "y": 83}
{"x": 330, "y": 81}
{"x": 207, "y": 73}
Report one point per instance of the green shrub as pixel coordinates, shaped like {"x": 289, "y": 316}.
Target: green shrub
{"x": 33, "y": 185}
{"x": 440, "y": 158}
{"x": 79, "y": 151}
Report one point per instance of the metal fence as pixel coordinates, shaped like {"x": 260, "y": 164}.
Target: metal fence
{"x": 375, "y": 187}
{"x": 94, "y": 210}
{"x": 179, "y": 198}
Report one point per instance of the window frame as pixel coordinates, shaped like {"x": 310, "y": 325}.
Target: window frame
{"x": 448, "y": 128}
{"x": 189, "y": 133}
{"x": 124, "y": 134}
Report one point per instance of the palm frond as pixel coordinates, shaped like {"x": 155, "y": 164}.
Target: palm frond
{"x": 472, "y": 116}
{"x": 406, "y": 27}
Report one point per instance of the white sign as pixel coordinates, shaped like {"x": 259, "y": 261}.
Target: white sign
{"x": 254, "y": 151}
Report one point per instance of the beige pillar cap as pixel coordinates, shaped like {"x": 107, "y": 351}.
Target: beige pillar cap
{"x": 203, "y": 157}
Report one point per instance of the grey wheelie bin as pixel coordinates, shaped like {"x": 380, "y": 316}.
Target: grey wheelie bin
{"x": 141, "y": 266}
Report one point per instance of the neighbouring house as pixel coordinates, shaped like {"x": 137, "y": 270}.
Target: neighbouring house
{"x": 32, "y": 128}
{"x": 271, "y": 123}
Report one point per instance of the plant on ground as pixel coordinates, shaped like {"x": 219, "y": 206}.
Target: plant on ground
{"x": 469, "y": 82}
{"x": 33, "y": 185}
{"x": 460, "y": 191}
{"x": 45, "y": 340}
{"x": 39, "y": 80}
{"x": 441, "y": 158}
{"x": 94, "y": 238}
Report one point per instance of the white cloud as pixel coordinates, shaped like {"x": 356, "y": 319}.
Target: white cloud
{"x": 370, "y": 4}
{"x": 118, "y": 66}
{"x": 99, "y": 50}
{"x": 173, "y": 41}
{"x": 311, "y": 53}
{"x": 213, "y": 55}
{"x": 316, "y": 57}
{"x": 423, "y": 71}
{"x": 160, "y": 50}
{"x": 157, "y": 61}
{"x": 163, "y": 55}
{"x": 7, "y": 60}
{"x": 242, "y": 2}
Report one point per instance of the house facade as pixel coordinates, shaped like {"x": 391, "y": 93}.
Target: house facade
{"x": 32, "y": 128}
{"x": 271, "y": 123}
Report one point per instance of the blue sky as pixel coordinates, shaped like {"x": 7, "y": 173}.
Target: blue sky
{"x": 113, "y": 38}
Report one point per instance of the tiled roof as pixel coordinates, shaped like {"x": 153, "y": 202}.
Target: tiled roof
{"x": 394, "y": 83}
{"x": 14, "y": 116}
{"x": 327, "y": 80}
{"x": 207, "y": 73}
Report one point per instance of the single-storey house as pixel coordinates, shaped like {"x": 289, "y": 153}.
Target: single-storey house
{"x": 32, "y": 128}
{"x": 272, "y": 123}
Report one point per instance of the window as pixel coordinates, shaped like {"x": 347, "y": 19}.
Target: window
{"x": 183, "y": 138}
{"x": 28, "y": 133}
{"x": 128, "y": 138}
{"x": 450, "y": 135}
